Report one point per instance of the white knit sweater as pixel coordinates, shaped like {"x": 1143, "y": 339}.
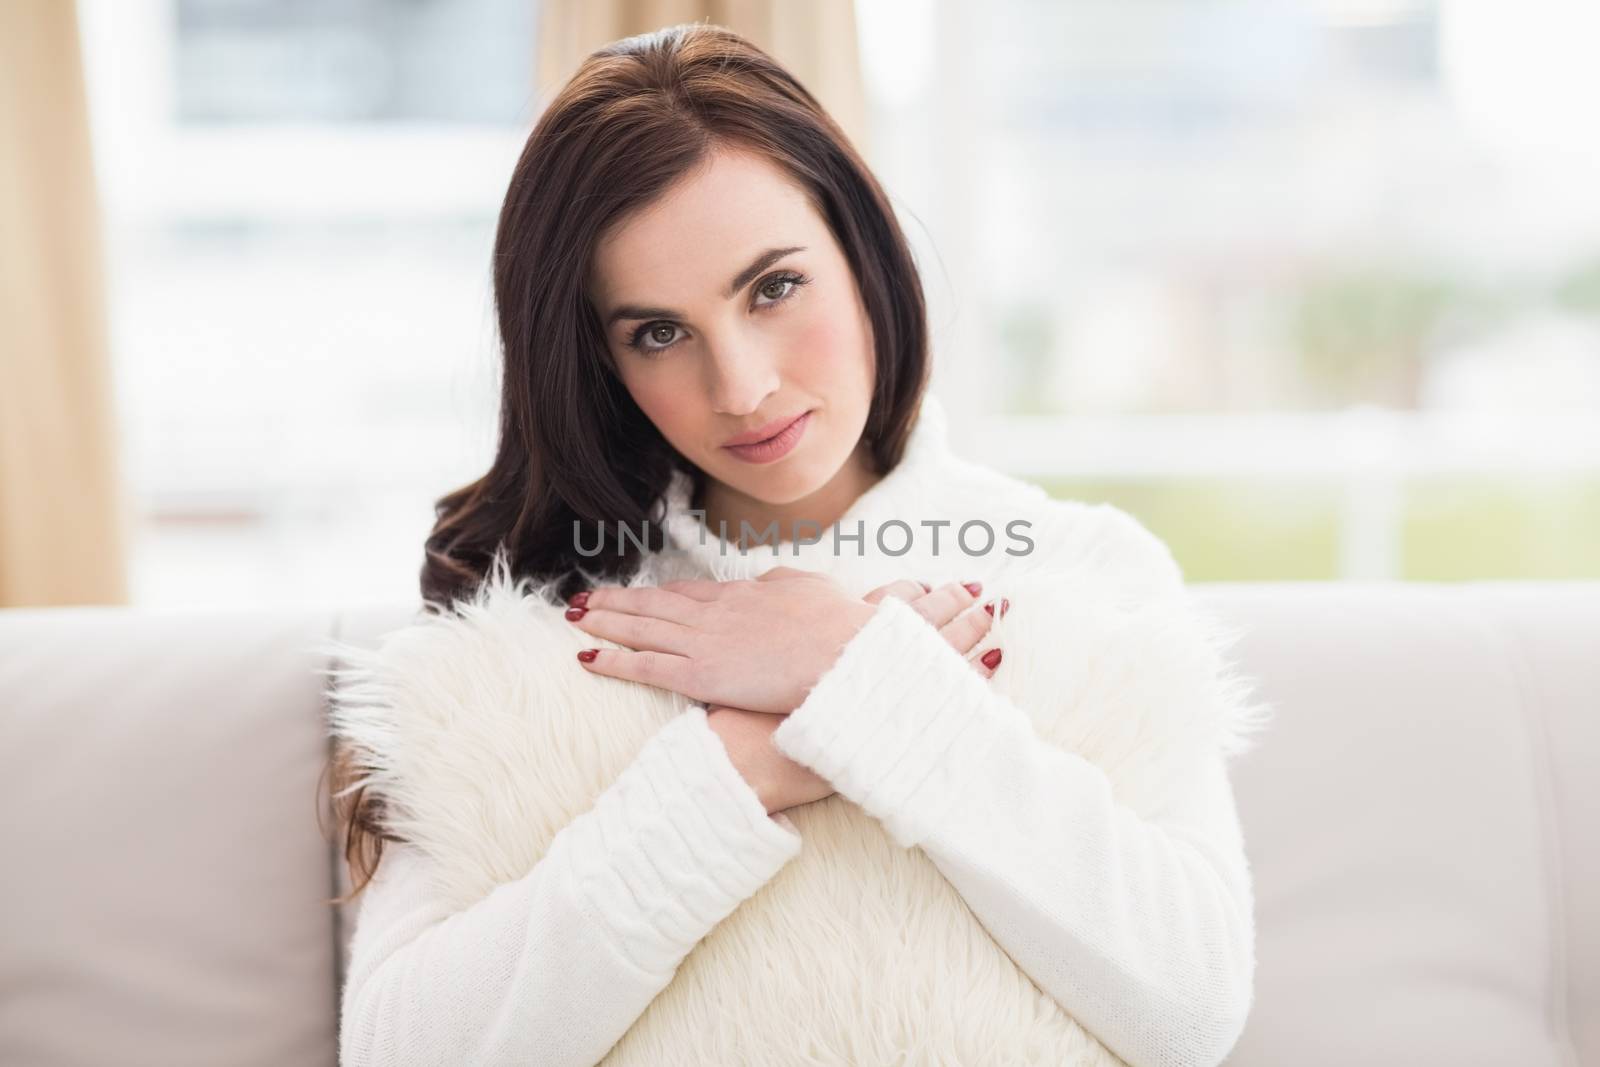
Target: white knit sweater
{"x": 1078, "y": 805}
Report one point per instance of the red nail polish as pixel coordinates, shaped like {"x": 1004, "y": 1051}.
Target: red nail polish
{"x": 579, "y": 600}
{"x": 574, "y": 614}
{"x": 588, "y": 655}
{"x": 973, "y": 587}
{"x": 991, "y": 658}
{"x": 1005, "y": 605}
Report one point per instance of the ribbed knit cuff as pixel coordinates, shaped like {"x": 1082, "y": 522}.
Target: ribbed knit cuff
{"x": 675, "y": 844}
{"x": 888, "y": 723}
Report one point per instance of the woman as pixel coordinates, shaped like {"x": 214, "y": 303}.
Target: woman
{"x": 726, "y": 590}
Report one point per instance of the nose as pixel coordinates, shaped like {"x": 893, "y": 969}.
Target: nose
{"x": 742, "y": 375}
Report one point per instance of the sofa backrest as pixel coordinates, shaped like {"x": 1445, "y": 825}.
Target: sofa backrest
{"x": 164, "y": 875}
{"x": 1421, "y": 822}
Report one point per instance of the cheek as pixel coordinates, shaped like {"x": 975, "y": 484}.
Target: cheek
{"x": 830, "y": 343}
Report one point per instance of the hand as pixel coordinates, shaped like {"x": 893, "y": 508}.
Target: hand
{"x": 757, "y": 645}
{"x": 945, "y": 609}
{"x": 779, "y": 781}
{"x": 754, "y": 645}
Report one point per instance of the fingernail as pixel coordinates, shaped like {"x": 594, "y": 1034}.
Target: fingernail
{"x": 574, "y": 614}
{"x": 588, "y": 655}
{"x": 579, "y": 600}
{"x": 973, "y": 587}
{"x": 991, "y": 658}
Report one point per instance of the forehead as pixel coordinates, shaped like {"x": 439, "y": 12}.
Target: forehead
{"x": 693, "y": 238}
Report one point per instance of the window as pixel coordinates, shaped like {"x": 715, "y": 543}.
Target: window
{"x": 300, "y": 201}
{"x": 1312, "y": 288}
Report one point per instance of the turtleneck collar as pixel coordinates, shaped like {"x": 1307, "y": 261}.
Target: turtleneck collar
{"x": 892, "y": 496}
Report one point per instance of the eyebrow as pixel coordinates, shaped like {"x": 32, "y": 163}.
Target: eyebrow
{"x": 744, "y": 277}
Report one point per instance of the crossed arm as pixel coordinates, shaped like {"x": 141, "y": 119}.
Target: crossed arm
{"x": 1142, "y": 930}
{"x": 1139, "y": 922}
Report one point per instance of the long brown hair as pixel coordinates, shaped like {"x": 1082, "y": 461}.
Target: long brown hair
{"x": 638, "y": 115}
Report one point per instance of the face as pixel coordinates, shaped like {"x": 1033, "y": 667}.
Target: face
{"x": 729, "y": 308}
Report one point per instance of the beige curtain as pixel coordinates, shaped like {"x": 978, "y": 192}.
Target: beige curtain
{"x": 63, "y": 519}
{"x": 815, "y": 40}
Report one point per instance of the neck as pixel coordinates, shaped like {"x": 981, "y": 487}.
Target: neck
{"x": 725, "y": 508}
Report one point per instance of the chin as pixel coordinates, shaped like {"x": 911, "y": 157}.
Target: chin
{"x": 780, "y": 486}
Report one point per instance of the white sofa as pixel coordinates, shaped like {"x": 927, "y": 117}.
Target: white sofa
{"x": 1422, "y": 819}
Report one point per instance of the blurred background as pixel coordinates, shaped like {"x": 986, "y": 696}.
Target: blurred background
{"x": 1312, "y": 287}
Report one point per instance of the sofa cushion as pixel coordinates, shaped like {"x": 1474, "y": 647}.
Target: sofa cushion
{"x": 1419, "y": 820}
{"x": 1414, "y": 819}
{"x": 165, "y": 884}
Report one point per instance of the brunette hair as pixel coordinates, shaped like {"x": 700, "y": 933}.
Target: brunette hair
{"x": 638, "y": 115}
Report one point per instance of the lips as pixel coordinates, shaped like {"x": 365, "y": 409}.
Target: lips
{"x": 775, "y": 447}
{"x": 762, "y": 433}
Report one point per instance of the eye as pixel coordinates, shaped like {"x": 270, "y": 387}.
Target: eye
{"x": 789, "y": 278}
{"x": 650, "y": 329}
{"x": 653, "y": 330}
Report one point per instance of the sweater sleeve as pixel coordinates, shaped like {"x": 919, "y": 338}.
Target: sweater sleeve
{"x": 553, "y": 968}
{"x": 1142, "y": 930}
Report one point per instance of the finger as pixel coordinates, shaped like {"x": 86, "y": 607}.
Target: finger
{"x": 987, "y": 662}
{"x": 642, "y": 600}
{"x": 905, "y": 589}
{"x": 639, "y": 632}
{"x": 965, "y": 630}
{"x": 981, "y": 667}
{"x": 659, "y": 669}
{"x": 693, "y": 588}
{"x": 946, "y": 602}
